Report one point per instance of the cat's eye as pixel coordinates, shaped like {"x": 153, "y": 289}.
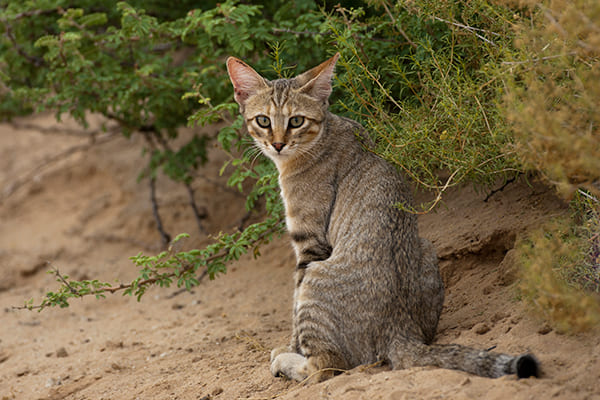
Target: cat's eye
{"x": 263, "y": 122}
{"x": 296, "y": 122}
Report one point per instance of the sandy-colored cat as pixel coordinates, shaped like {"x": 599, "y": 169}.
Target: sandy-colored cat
{"x": 367, "y": 288}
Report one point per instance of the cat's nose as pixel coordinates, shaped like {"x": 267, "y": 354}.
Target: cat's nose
{"x": 278, "y": 146}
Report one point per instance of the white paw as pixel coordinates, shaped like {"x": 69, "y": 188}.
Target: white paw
{"x": 291, "y": 365}
{"x": 277, "y": 351}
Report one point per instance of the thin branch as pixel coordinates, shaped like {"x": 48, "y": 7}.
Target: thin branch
{"x": 64, "y": 281}
{"x": 37, "y": 61}
{"x": 589, "y": 196}
{"x": 487, "y": 123}
{"x": 387, "y": 10}
{"x": 438, "y": 198}
{"x": 470, "y": 29}
{"x": 195, "y": 208}
{"x": 166, "y": 238}
{"x": 467, "y": 27}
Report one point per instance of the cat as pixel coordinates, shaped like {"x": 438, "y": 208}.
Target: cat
{"x": 367, "y": 288}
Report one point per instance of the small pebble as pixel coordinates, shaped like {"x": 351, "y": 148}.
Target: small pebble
{"x": 62, "y": 352}
{"x": 544, "y": 329}
{"x": 481, "y": 328}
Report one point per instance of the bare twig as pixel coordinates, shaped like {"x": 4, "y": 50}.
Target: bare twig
{"x": 589, "y": 196}
{"x": 166, "y": 238}
{"x": 387, "y": 10}
{"x": 438, "y": 198}
{"x": 487, "y": 123}
{"x": 470, "y": 29}
{"x": 195, "y": 208}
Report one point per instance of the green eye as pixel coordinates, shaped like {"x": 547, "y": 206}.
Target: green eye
{"x": 296, "y": 122}
{"x": 263, "y": 122}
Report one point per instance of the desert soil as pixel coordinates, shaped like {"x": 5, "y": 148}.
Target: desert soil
{"x": 79, "y": 208}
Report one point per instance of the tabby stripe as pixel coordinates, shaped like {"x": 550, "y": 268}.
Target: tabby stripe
{"x": 316, "y": 253}
{"x": 302, "y": 265}
{"x": 301, "y": 236}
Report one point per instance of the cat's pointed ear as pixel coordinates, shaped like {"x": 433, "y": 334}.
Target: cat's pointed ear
{"x": 317, "y": 81}
{"x": 245, "y": 80}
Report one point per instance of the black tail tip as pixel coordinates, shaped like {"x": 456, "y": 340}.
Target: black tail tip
{"x": 527, "y": 366}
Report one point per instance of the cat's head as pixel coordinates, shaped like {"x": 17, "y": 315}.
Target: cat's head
{"x": 284, "y": 116}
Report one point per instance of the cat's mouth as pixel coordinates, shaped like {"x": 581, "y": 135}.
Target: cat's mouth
{"x": 278, "y": 149}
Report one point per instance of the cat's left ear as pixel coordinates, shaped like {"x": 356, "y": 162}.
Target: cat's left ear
{"x": 317, "y": 81}
{"x": 246, "y": 81}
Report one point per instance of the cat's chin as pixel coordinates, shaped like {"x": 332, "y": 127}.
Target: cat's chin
{"x": 284, "y": 155}
{"x": 280, "y": 159}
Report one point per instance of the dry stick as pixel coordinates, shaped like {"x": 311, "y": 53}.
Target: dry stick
{"x": 166, "y": 146}
{"x": 166, "y": 238}
{"x": 387, "y": 10}
{"x": 13, "y": 187}
{"x": 439, "y": 195}
{"x": 487, "y": 124}
{"x": 195, "y": 208}
{"x": 470, "y": 29}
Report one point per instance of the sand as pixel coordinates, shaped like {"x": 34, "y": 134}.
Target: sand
{"x": 79, "y": 208}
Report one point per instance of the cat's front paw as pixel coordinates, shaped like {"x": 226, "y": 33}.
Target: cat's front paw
{"x": 291, "y": 365}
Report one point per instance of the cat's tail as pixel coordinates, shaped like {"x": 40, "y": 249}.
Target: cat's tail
{"x": 463, "y": 358}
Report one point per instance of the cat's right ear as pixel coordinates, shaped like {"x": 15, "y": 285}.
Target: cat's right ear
{"x": 246, "y": 81}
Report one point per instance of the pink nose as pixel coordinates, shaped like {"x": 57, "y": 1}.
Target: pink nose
{"x": 278, "y": 146}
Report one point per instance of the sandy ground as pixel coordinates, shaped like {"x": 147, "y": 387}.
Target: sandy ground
{"x": 82, "y": 210}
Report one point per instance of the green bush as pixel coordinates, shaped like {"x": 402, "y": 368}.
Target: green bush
{"x": 452, "y": 92}
{"x": 561, "y": 267}
{"x": 553, "y": 92}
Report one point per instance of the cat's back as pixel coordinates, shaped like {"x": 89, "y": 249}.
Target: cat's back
{"x": 368, "y": 188}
